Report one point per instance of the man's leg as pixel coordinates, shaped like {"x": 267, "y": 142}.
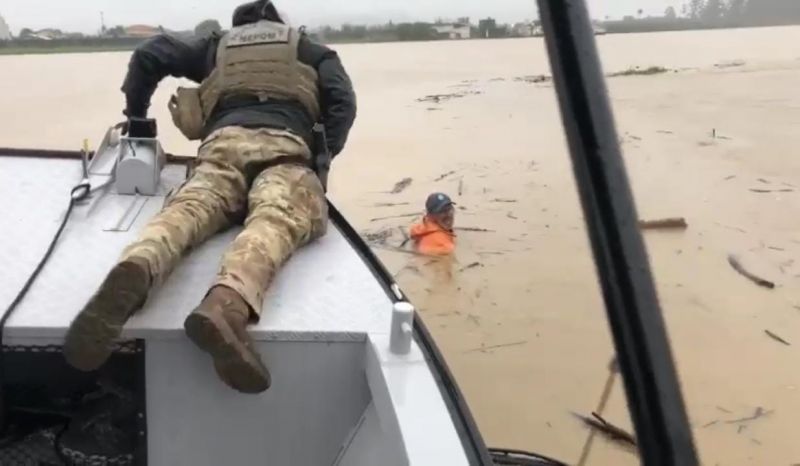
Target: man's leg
{"x": 287, "y": 209}
{"x": 213, "y": 196}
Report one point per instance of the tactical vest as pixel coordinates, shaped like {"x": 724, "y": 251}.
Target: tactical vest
{"x": 258, "y": 59}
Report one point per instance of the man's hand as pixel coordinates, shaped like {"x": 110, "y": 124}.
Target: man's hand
{"x": 123, "y": 127}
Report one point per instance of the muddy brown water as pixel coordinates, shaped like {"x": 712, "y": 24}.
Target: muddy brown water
{"x": 715, "y": 140}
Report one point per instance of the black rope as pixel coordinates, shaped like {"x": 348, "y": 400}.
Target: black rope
{"x": 77, "y": 194}
{"x": 509, "y": 457}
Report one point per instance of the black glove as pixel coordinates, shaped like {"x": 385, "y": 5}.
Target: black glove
{"x": 140, "y": 127}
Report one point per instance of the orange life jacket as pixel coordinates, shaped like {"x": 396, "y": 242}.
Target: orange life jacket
{"x": 431, "y": 239}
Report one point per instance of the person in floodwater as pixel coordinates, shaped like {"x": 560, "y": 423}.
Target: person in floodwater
{"x": 434, "y": 236}
{"x": 263, "y": 87}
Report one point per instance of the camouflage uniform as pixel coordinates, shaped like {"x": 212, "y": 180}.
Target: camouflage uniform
{"x": 261, "y": 174}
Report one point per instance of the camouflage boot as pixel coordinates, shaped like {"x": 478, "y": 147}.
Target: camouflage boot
{"x": 218, "y": 327}
{"x": 90, "y": 338}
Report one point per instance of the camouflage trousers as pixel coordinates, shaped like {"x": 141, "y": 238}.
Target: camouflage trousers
{"x": 259, "y": 176}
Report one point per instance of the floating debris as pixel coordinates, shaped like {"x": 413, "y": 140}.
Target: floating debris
{"x": 777, "y": 338}
{"x": 473, "y": 229}
{"x": 439, "y": 98}
{"x": 505, "y": 201}
{"x": 609, "y": 430}
{"x": 390, "y": 204}
{"x": 759, "y": 413}
{"x": 461, "y": 186}
{"x": 637, "y": 71}
{"x": 534, "y": 79}
{"x": 444, "y": 175}
{"x": 377, "y": 237}
{"x": 483, "y": 349}
{"x": 731, "y": 227}
{"x": 764, "y": 191}
{"x": 401, "y": 185}
{"x": 471, "y": 266}
{"x": 730, "y": 64}
{"x": 664, "y": 224}
{"x": 377, "y": 219}
{"x": 737, "y": 266}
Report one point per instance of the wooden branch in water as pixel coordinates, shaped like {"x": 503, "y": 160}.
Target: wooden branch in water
{"x": 471, "y": 266}
{"x": 377, "y": 219}
{"x": 390, "y": 204}
{"x": 473, "y": 229}
{"x": 759, "y": 413}
{"x": 406, "y": 237}
{"x": 766, "y": 191}
{"x": 504, "y": 345}
{"x": 664, "y": 224}
{"x": 609, "y": 430}
{"x": 444, "y": 175}
{"x": 401, "y": 185}
{"x": 737, "y": 266}
{"x": 386, "y": 247}
{"x": 777, "y": 338}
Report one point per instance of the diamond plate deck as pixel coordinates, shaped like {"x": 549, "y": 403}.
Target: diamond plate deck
{"x": 323, "y": 293}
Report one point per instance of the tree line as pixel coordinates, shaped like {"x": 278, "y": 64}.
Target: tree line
{"x": 705, "y": 14}
{"x": 745, "y": 11}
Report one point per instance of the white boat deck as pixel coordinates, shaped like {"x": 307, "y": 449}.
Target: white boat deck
{"x": 324, "y": 288}
{"x": 339, "y": 395}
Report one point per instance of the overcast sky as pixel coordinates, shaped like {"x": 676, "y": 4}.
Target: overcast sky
{"x": 84, "y": 15}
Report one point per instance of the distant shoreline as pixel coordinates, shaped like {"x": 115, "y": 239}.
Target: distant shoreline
{"x": 100, "y": 46}
{"x": 5, "y": 51}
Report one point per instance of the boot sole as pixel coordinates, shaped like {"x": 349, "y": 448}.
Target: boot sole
{"x": 91, "y": 336}
{"x": 236, "y": 364}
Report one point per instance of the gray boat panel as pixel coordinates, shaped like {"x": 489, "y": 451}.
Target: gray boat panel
{"x": 370, "y": 445}
{"x": 323, "y": 290}
{"x": 319, "y": 393}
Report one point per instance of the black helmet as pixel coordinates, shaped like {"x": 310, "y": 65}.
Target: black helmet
{"x": 256, "y": 11}
{"x": 438, "y": 203}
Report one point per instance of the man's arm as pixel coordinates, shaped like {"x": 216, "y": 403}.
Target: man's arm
{"x": 337, "y": 97}
{"x": 163, "y": 56}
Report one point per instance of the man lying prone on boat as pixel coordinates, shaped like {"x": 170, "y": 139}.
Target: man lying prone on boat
{"x": 263, "y": 87}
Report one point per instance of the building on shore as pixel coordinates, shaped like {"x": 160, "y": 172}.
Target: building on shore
{"x": 48, "y": 34}
{"x": 454, "y": 30}
{"x": 142, "y": 31}
{"x": 459, "y": 29}
{"x": 5, "y": 32}
{"x": 489, "y": 29}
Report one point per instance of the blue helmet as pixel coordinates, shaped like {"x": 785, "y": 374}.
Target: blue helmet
{"x": 438, "y": 203}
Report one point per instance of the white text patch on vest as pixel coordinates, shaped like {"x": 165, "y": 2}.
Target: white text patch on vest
{"x": 259, "y": 33}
